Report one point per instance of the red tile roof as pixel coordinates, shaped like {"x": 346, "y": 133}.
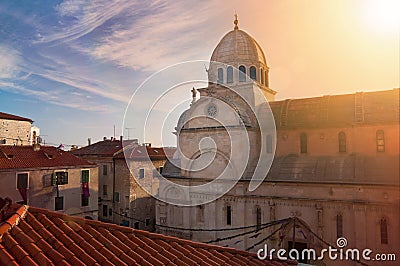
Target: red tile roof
{"x": 14, "y": 117}
{"x": 102, "y": 148}
{"x": 33, "y": 236}
{"x": 145, "y": 152}
{"x": 24, "y": 157}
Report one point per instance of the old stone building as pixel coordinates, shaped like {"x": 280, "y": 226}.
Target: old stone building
{"x": 46, "y": 177}
{"x": 334, "y": 171}
{"x": 17, "y": 130}
{"x": 121, "y": 199}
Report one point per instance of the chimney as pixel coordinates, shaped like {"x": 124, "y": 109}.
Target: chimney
{"x": 36, "y": 147}
{"x": 89, "y": 141}
{"x": 121, "y": 138}
{"x": 104, "y": 138}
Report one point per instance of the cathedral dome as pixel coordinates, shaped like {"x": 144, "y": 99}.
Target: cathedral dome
{"x": 238, "y": 47}
{"x": 238, "y": 58}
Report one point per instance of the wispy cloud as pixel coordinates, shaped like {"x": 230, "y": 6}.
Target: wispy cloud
{"x": 10, "y": 59}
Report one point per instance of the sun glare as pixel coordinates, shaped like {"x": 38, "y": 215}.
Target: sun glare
{"x": 383, "y": 15}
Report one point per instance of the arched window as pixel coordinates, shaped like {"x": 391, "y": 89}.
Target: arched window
{"x": 380, "y": 141}
{"x": 258, "y": 218}
{"x": 261, "y": 76}
{"x": 269, "y": 144}
{"x": 228, "y": 215}
{"x": 266, "y": 78}
{"x": 220, "y": 76}
{"x": 339, "y": 226}
{"x": 242, "y": 74}
{"x": 384, "y": 231}
{"x": 303, "y": 143}
{"x": 342, "y": 141}
{"x": 253, "y": 73}
{"x": 229, "y": 75}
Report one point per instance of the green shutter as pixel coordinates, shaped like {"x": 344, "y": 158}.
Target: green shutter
{"x": 85, "y": 176}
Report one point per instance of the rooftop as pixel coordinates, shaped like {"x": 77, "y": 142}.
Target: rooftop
{"x": 14, "y": 117}
{"x": 106, "y": 147}
{"x": 33, "y": 236}
{"x": 337, "y": 110}
{"x": 26, "y": 157}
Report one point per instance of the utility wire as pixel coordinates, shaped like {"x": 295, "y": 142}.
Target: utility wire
{"x": 270, "y": 235}
{"x": 246, "y": 233}
{"x": 216, "y": 229}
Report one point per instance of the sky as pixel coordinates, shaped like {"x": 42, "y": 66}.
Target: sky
{"x": 72, "y": 66}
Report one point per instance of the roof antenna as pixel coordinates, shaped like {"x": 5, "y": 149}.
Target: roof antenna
{"x": 205, "y": 68}
{"x": 236, "y": 21}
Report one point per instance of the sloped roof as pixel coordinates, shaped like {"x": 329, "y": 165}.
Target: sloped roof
{"x": 337, "y": 110}
{"x": 32, "y": 236}
{"x": 102, "y": 148}
{"x": 14, "y": 117}
{"x": 351, "y": 168}
{"x": 24, "y": 157}
{"x": 146, "y": 152}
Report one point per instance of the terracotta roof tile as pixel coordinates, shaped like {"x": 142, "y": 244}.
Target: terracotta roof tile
{"x": 24, "y": 157}
{"x": 43, "y": 237}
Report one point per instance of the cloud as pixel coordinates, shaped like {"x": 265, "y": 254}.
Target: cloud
{"x": 10, "y": 59}
{"x": 168, "y": 33}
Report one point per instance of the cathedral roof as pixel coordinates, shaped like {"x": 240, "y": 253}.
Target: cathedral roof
{"x": 337, "y": 110}
{"x": 238, "y": 46}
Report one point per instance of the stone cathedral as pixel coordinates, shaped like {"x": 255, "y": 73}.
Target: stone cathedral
{"x": 334, "y": 171}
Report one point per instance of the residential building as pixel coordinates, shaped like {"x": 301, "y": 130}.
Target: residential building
{"x": 47, "y": 177}
{"x": 335, "y": 172}
{"x": 121, "y": 199}
{"x": 17, "y": 130}
{"x": 34, "y": 236}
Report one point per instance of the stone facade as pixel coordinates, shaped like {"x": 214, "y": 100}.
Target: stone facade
{"x": 14, "y": 130}
{"x": 335, "y": 172}
{"x": 121, "y": 199}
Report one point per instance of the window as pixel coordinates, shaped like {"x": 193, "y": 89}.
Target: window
{"x": 22, "y": 180}
{"x": 200, "y": 213}
{"x": 229, "y": 75}
{"x": 380, "y": 141}
{"x": 47, "y": 180}
{"x": 220, "y": 76}
{"x": 105, "y": 192}
{"x": 161, "y": 169}
{"x": 59, "y": 203}
{"x": 303, "y": 143}
{"x": 147, "y": 221}
{"x": 85, "y": 176}
{"x": 269, "y": 144}
{"x": 384, "y": 231}
{"x": 261, "y": 76}
{"x": 134, "y": 200}
{"x": 258, "y": 218}
{"x": 242, "y": 74}
{"x": 265, "y": 78}
{"x": 116, "y": 196}
{"x": 339, "y": 226}
{"x": 342, "y": 141}
{"x": 127, "y": 202}
{"x": 84, "y": 200}
{"x": 105, "y": 169}
{"x": 61, "y": 178}
{"x": 136, "y": 225}
{"x": 105, "y": 209}
{"x": 228, "y": 215}
{"x": 2, "y": 141}
{"x": 253, "y": 74}
{"x": 141, "y": 173}
{"x": 110, "y": 212}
